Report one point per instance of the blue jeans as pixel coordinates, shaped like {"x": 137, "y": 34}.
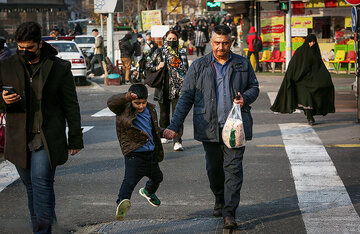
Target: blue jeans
{"x": 39, "y": 183}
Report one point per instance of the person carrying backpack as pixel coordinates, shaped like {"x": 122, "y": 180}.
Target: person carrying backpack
{"x": 255, "y": 46}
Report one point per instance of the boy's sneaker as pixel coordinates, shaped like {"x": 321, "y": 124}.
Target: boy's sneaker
{"x": 122, "y": 209}
{"x": 152, "y": 199}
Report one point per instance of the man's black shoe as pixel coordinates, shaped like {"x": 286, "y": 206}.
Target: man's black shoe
{"x": 218, "y": 210}
{"x": 230, "y": 223}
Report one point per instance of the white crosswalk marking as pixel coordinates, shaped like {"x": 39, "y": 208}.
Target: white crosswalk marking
{"x": 8, "y": 173}
{"x": 323, "y": 200}
{"x": 104, "y": 113}
{"x": 272, "y": 97}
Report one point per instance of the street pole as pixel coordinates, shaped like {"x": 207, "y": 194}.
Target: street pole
{"x": 357, "y": 65}
{"x": 288, "y": 36}
{"x": 101, "y": 25}
{"x": 110, "y": 39}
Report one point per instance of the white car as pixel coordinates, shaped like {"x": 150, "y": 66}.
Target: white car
{"x": 68, "y": 50}
{"x": 86, "y": 44}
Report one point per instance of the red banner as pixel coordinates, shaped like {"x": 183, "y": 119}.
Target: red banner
{"x": 272, "y": 29}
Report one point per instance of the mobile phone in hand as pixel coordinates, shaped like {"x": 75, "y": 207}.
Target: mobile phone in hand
{"x": 10, "y": 89}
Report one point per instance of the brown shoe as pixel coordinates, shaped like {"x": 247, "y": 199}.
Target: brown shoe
{"x": 218, "y": 210}
{"x": 230, "y": 223}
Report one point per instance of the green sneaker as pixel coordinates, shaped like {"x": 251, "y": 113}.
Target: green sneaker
{"x": 122, "y": 209}
{"x": 152, "y": 199}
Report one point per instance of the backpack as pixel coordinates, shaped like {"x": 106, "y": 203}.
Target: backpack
{"x": 257, "y": 44}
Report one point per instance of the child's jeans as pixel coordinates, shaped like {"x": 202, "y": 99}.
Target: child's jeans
{"x": 138, "y": 165}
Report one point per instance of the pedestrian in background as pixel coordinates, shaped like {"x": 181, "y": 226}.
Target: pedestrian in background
{"x": 4, "y": 51}
{"x": 174, "y": 60}
{"x": 139, "y": 137}
{"x": 98, "y": 52}
{"x": 211, "y": 87}
{"x": 200, "y": 41}
{"x": 252, "y": 48}
{"x": 307, "y": 84}
{"x": 43, "y": 103}
{"x": 126, "y": 51}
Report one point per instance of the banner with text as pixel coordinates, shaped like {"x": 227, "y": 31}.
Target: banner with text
{"x": 150, "y": 18}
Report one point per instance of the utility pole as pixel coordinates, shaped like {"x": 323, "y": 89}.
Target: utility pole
{"x": 288, "y": 36}
{"x": 110, "y": 39}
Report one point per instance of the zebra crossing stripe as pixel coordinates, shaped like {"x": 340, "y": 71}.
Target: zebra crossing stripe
{"x": 8, "y": 173}
{"x": 106, "y": 112}
{"x": 323, "y": 200}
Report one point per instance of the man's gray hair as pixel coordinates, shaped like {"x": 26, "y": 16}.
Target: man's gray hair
{"x": 221, "y": 29}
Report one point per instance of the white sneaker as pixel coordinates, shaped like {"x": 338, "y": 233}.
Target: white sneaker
{"x": 122, "y": 209}
{"x": 91, "y": 75}
{"x": 178, "y": 146}
{"x": 102, "y": 76}
{"x": 164, "y": 141}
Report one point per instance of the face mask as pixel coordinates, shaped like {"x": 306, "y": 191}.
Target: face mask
{"x": 139, "y": 40}
{"x": 26, "y": 55}
{"x": 173, "y": 44}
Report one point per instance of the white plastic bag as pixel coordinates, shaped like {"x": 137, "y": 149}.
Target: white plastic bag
{"x": 233, "y": 133}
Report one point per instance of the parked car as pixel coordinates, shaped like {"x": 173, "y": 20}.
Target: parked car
{"x": 68, "y": 50}
{"x": 86, "y": 44}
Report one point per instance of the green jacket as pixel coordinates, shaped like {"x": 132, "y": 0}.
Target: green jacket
{"x": 59, "y": 105}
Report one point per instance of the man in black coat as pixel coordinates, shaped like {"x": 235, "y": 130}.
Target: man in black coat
{"x": 39, "y": 98}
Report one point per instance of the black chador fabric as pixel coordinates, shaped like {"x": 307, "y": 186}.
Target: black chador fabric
{"x": 307, "y": 83}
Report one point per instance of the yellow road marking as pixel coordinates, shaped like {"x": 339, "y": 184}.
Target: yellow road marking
{"x": 329, "y": 146}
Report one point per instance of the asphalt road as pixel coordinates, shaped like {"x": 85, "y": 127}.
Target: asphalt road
{"x": 275, "y": 198}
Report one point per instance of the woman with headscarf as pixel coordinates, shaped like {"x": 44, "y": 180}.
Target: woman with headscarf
{"x": 307, "y": 84}
{"x": 174, "y": 60}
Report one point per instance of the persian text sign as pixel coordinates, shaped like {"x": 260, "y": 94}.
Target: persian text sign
{"x": 150, "y": 18}
{"x": 302, "y": 22}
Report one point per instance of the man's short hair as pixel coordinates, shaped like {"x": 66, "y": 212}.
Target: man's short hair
{"x": 95, "y": 30}
{"x": 140, "y": 90}
{"x": 29, "y": 31}
{"x": 221, "y": 29}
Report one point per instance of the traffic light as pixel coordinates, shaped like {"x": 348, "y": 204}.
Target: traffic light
{"x": 213, "y": 6}
{"x": 284, "y": 5}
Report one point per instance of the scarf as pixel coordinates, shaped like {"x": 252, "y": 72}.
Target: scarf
{"x": 177, "y": 69}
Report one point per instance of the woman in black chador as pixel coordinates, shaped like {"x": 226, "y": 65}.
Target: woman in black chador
{"x": 307, "y": 84}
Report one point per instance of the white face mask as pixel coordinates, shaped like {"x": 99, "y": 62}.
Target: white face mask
{"x": 140, "y": 40}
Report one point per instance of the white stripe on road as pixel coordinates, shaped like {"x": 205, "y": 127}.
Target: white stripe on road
{"x": 323, "y": 200}
{"x": 272, "y": 97}
{"x": 104, "y": 112}
{"x": 8, "y": 173}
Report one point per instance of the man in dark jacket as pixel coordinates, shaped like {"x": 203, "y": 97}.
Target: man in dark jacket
{"x": 212, "y": 85}
{"x": 38, "y": 106}
{"x": 126, "y": 51}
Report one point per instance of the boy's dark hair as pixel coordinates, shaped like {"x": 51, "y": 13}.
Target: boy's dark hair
{"x": 222, "y": 29}
{"x": 140, "y": 90}
{"x": 29, "y": 31}
{"x": 95, "y": 30}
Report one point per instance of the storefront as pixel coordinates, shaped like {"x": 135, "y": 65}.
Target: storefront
{"x": 328, "y": 20}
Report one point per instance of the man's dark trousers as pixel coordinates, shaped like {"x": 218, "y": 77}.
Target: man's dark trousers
{"x": 225, "y": 173}
{"x": 138, "y": 165}
{"x": 96, "y": 59}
